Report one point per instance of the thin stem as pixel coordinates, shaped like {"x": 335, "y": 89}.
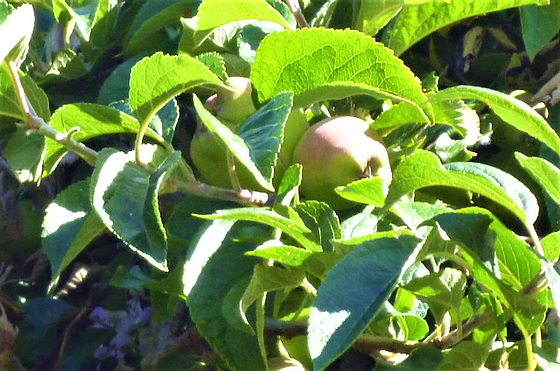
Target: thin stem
{"x": 36, "y": 123}
{"x": 295, "y": 8}
{"x": 249, "y": 198}
{"x": 530, "y": 356}
{"x": 535, "y": 237}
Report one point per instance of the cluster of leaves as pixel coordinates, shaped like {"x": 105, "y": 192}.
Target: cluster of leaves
{"x": 452, "y": 267}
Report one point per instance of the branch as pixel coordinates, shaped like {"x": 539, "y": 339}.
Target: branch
{"x": 243, "y": 196}
{"x": 298, "y": 14}
{"x": 36, "y": 123}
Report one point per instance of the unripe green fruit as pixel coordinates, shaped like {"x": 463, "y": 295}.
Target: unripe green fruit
{"x": 282, "y": 364}
{"x": 209, "y": 156}
{"x": 338, "y": 151}
{"x": 235, "y": 105}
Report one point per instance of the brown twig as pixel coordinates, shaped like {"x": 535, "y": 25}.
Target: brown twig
{"x": 295, "y": 8}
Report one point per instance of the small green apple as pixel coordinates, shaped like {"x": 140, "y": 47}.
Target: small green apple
{"x": 235, "y": 104}
{"x": 209, "y": 156}
{"x": 335, "y": 152}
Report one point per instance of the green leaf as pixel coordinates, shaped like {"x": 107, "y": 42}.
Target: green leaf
{"x": 323, "y": 222}
{"x": 9, "y": 102}
{"x": 162, "y": 125}
{"x": 466, "y": 355}
{"x": 423, "y": 169}
{"x": 266, "y": 279}
{"x": 415, "y": 213}
{"x": 24, "y": 152}
{"x": 294, "y": 229}
{"x": 287, "y": 190}
{"x": 116, "y": 87}
{"x": 158, "y": 78}
{"x": 424, "y": 358}
{"x": 133, "y": 278}
{"x": 369, "y": 191}
{"x": 69, "y": 226}
{"x": 5, "y": 10}
{"x": 539, "y": 24}
{"x": 544, "y": 173}
{"x": 259, "y": 139}
{"x": 460, "y": 117}
{"x": 66, "y": 65}
{"x": 16, "y": 31}
{"x": 354, "y": 291}
{"x": 216, "y": 63}
{"x": 553, "y": 276}
{"x": 288, "y": 255}
{"x": 359, "y": 225}
{"x": 263, "y": 133}
{"x": 398, "y": 115}
{"x": 123, "y": 195}
{"x": 83, "y": 15}
{"x": 516, "y": 190}
{"x": 220, "y": 273}
{"x": 413, "y": 327}
{"x": 443, "y": 291}
{"x": 326, "y": 64}
{"x": 374, "y": 15}
{"x": 37, "y": 96}
{"x": 511, "y": 110}
{"x": 204, "y": 246}
{"x": 551, "y": 246}
{"x": 215, "y": 13}
{"x": 469, "y": 228}
{"x": 517, "y": 262}
{"x": 92, "y": 120}
{"x": 415, "y": 22}
{"x": 153, "y": 17}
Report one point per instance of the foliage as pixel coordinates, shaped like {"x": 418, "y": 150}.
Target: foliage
{"x": 116, "y": 253}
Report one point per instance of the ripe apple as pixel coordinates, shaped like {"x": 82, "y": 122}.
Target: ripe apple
{"x": 335, "y": 152}
{"x": 296, "y": 126}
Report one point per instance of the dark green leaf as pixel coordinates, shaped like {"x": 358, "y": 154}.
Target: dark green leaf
{"x": 294, "y": 229}
{"x": 354, "y": 291}
{"x": 219, "y": 274}
{"x": 263, "y": 132}
{"x": 323, "y": 222}
{"x": 539, "y": 24}
{"x": 152, "y": 18}
{"x": 69, "y": 226}
{"x": 123, "y": 195}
